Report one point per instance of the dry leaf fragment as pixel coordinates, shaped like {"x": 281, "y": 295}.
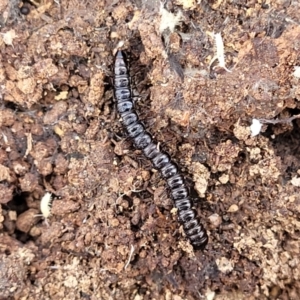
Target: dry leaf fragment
{"x": 233, "y": 208}
{"x": 61, "y": 96}
{"x": 9, "y": 36}
{"x": 255, "y": 127}
{"x": 225, "y": 265}
{"x": 295, "y": 181}
{"x": 296, "y": 73}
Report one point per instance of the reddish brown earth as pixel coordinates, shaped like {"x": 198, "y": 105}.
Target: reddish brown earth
{"x": 113, "y": 232}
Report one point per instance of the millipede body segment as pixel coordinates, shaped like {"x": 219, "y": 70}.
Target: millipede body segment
{"x": 143, "y": 140}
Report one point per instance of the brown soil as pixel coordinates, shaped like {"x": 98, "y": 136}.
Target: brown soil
{"x": 113, "y": 232}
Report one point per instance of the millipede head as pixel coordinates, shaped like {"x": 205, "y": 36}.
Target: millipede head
{"x": 120, "y": 64}
{"x": 121, "y": 56}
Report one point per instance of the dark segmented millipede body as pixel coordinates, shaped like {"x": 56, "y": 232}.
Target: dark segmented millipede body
{"x": 161, "y": 161}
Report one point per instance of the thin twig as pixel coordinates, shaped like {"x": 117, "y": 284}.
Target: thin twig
{"x": 277, "y": 121}
{"x": 130, "y": 255}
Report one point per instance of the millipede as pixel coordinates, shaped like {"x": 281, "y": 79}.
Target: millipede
{"x": 143, "y": 140}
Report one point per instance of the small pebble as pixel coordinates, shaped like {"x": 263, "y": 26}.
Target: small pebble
{"x": 24, "y": 10}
